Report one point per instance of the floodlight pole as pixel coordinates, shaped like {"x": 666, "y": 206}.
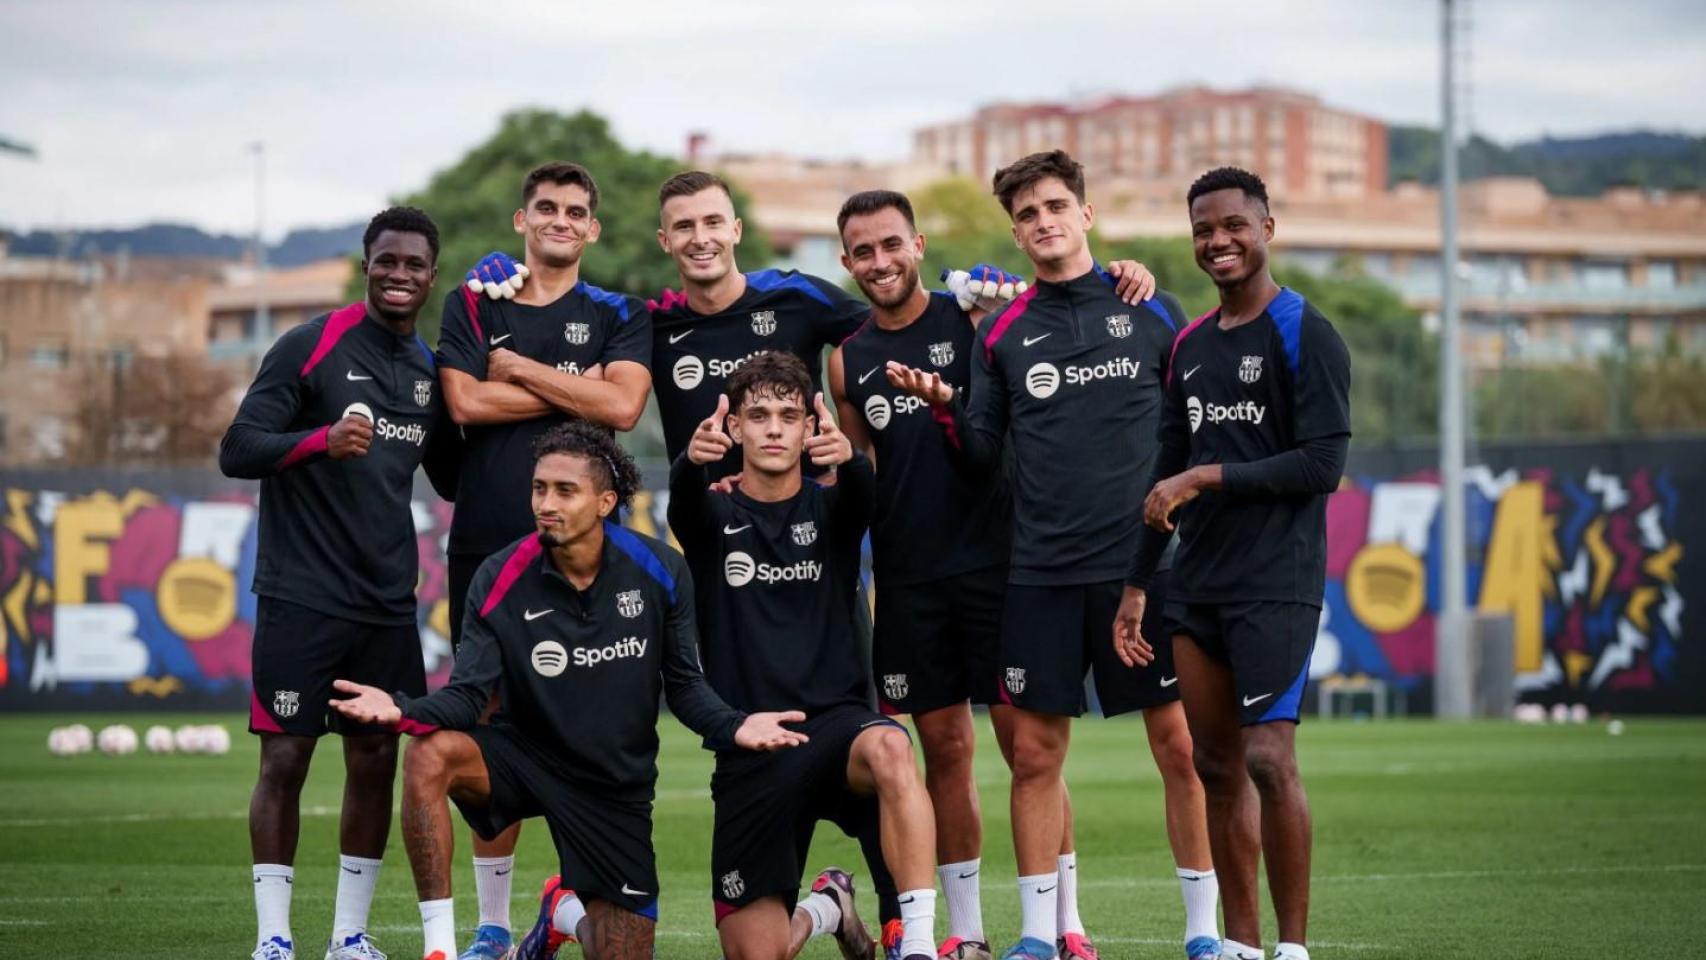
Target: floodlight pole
{"x": 1452, "y": 695}
{"x": 263, "y": 315}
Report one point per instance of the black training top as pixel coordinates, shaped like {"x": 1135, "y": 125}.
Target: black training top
{"x": 338, "y": 536}
{"x": 583, "y": 327}
{"x": 935, "y": 518}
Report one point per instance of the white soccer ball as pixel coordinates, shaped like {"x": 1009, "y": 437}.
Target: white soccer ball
{"x": 61, "y": 742}
{"x": 1579, "y": 713}
{"x": 1615, "y": 728}
{"x": 117, "y": 740}
{"x": 1529, "y": 713}
{"x": 190, "y": 739}
{"x": 1560, "y": 713}
{"x": 216, "y": 740}
{"x": 82, "y": 738}
{"x": 158, "y": 739}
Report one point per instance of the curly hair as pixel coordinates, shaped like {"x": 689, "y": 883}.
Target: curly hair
{"x": 1229, "y": 178}
{"x": 401, "y": 220}
{"x": 611, "y": 465}
{"x": 772, "y": 373}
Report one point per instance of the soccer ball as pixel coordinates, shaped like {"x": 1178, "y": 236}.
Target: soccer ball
{"x": 216, "y": 740}
{"x": 158, "y": 740}
{"x": 82, "y": 738}
{"x": 61, "y": 742}
{"x": 190, "y": 739}
{"x": 117, "y": 740}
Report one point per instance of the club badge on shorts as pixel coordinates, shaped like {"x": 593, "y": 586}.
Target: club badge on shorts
{"x": 285, "y": 703}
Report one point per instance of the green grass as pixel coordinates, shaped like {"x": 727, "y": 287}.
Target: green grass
{"x": 1484, "y": 840}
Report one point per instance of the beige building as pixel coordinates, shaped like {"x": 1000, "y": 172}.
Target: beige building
{"x": 239, "y": 331}
{"x": 1301, "y": 146}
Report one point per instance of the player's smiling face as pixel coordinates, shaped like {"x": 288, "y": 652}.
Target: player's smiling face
{"x": 400, "y": 271}
{"x": 771, "y": 430}
{"x": 882, "y": 253}
{"x": 1230, "y": 234}
{"x": 557, "y": 223}
{"x": 568, "y": 500}
{"x": 1049, "y": 223}
{"x": 700, "y": 231}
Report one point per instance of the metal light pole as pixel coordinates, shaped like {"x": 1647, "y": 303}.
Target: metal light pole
{"x": 263, "y": 316}
{"x": 1451, "y": 651}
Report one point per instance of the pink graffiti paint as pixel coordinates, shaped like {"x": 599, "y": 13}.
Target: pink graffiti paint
{"x": 1347, "y": 528}
{"x": 1629, "y": 553}
{"x": 139, "y": 554}
{"x": 1410, "y": 651}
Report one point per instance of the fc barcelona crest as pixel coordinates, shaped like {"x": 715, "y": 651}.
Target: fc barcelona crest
{"x": 805, "y": 534}
{"x": 764, "y": 322}
{"x": 1250, "y": 370}
{"x": 942, "y": 354}
{"x": 285, "y": 703}
{"x": 577, "y": 333}
{"x": 629, "y": 604}
{"x": 894, "y": 686}
{"x": 423, "y": 392}
{"x": 1119, "y": 325}
{"x": 1015, "y": 680}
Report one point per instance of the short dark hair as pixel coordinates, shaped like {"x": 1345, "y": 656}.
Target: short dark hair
{"x": 1025, "y": 171}
{"x": 776, "y": 373}
{"x": 561, "y": 173}
{"x": 688, "y": 182}
{"x": 401, "y": 220}
{"x": 871, "y": 201}
{"x": 611, "y": 465}
{"x": 1229, "y": 178}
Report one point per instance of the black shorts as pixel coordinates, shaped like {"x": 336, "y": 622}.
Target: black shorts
{"x": 1266, "y": 643}
{"x": 459, "y": 576}
{"x": 769, "y": 804}
{"x": 297, "y": 653}
{"x": 935, "y": 641}
{"x": 1051, "y": 636}
{"x": 604, "y": 844}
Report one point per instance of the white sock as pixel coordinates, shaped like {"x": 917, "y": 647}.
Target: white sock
{"x": 567, "y": 918}
{"x": 824, "y": 911}
{"x": 1037, "y": 900}
{"x": 492, "y": 876}
{"x": 1239, "y": 951}
{"x": 273, "y": 882}
{"x": 962, "y": 886}
{"x": 1201, "y": 889}
{"x": 357, "y": 879}
{"x": 438, "y": 923}
{"x": 1291, "y": 951}
{"x": 1066, "y": 913}
{"x": 918, "y": 922}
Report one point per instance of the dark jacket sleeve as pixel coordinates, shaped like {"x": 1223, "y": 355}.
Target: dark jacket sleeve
{"x": 1321, "y": 423}
{"x": 261, "y": 440}
{"x": 1173, "y": 436}
{"x": 685, "y": 688}
{"x": 689, "y": 514}
{"x": 846, "y": 313}
{"x": 976, "y": 425}
{"x": 855, "y": 496}
{"x": 631, "y": 336}
{"x": 443, "y": 459}
{"x": 461, "y": 342}
{"x": 475, "y": 677}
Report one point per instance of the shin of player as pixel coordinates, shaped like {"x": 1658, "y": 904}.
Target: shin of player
{"x": 1253, "y": 438}
{"x": 339, "y": 417}
{"x": 779, "y": 558}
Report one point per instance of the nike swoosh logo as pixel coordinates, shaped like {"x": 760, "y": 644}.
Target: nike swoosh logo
{"x": 497, "y": 340}
{"x": 501, "y": 873}
{"x": 906, "y": 900}
{"x": 630, "y": 891}
{"x": 678, "y": 337}
{"x": 532, "y": 615}
{"x": 968, "y": 876}
{"x": 727, "y": 529}
{"x": 352, "y": 376}
{"x": 868, "y": 373}
{"x": 1041, "y": 890}
{"x": 1250, "y": 700}
{"x": 1169, "y": 681}
{"x": 1031, "y": 340}
{"x": 356, "y": 872}
{"x": 1192, "y": 370}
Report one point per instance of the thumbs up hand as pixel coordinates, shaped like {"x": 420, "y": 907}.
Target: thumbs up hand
{"x": 828, "y": 447}
{"x": 711, "y": 440}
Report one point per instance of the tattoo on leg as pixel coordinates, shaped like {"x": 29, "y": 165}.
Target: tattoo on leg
{"x": 431, "y": 865}
{"x": 612, "y": 933}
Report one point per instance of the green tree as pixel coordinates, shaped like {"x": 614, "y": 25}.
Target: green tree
{"x": 473, "y": 199}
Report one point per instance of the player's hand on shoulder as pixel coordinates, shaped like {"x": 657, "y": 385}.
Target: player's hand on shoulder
{"x": 365, "y": 704}
{"x": 498, "y": 275}
{"x": 828, "y": 447}
{"x": 711, "y": 440}
{"x": 983, "y": 287}
{"x": 1129, "y": 644}
{"x": 764, "y": 731}
{"x": 926, "y": 386}
{"x": 1133, "y": 282}
{"x": 349, "y": 437}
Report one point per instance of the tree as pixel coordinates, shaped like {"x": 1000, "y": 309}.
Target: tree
{"x": 166, "y": 410}
{"x": 472, "y": 200}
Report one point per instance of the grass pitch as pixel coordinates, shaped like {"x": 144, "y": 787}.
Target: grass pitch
{"x": 1484, "y": 840}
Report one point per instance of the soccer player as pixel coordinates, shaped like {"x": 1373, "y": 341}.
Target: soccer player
{"x": 512, "y": 369}
{"x": 340, "y": 414}
{"x": 940, "y": 538}
{"x": 582, "y": 624}
{"x": 1253, "y": 439}
{"x": 1070, "y": 376}
{"x": 776, "y": 561}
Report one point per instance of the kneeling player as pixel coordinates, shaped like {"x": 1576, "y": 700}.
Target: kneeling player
{"x": 582, "y": 624}
{"x": 778, "y": 558}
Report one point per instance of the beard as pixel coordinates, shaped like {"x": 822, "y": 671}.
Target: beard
{"x": 901, "y": 290}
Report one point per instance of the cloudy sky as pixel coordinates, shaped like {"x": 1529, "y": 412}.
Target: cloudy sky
{"x": 141, "y": 109}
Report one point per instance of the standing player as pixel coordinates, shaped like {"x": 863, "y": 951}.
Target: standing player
{"x": 1071, "y": 377}
{"x": 1253, "y": 439}
{"x": 776, "y": 561}
{"x": 941, "y": 537}
{"x": 340, "y": 414}
{"x": 583, "y": 625}
{"x": 512, "y": 369}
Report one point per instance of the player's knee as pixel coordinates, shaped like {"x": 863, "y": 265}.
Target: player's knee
{"x": 1036, "y": 760}
{"x": 1217, "y": 770}
{"x": 425, "y": 763}
{"x": 1272, "y": 769}
{"x": 1174, "y": 754}
{"x": 889, "y": 754}
{"x": 948, "y": 747}
{"x": 284, "y": 764}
